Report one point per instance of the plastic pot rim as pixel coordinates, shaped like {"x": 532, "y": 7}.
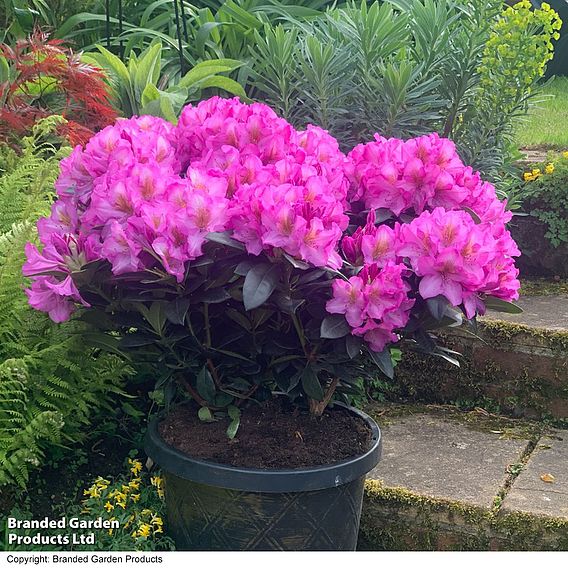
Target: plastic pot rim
{"x": 264, "y": 480}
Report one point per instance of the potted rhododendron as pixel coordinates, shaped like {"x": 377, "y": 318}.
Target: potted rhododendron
{"x": 262, "y": 273}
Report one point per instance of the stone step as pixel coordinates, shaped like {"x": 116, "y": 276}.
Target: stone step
{"x": 513, "y": 363}
{"x": 451, "y": 480}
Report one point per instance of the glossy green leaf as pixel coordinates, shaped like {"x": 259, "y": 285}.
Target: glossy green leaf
{"x": 260, "y": 282}
{"x": 334, "y": 326}
{"x": 206, "y": 385}
{"x": 311, "y": 385}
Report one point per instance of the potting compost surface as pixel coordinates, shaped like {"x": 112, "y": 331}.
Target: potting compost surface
{"x": 271, "y": 436}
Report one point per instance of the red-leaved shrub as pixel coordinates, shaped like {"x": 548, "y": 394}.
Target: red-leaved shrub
{"x": 47, "y": 77}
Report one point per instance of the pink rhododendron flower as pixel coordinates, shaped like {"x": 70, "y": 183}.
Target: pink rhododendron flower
{"x": 143, "y": 197}
{"x": 375, "y": 303}
{"x": 457, "y": 258}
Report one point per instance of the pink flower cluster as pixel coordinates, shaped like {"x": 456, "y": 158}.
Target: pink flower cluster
{"x": 144, "y": 190}
{"x": 144, "y": 195}
{"x": 375, "y": 303}
{"x": 416, "y": 175}
{"x": 459, "y": 259}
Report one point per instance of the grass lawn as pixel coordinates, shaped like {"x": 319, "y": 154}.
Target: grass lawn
{"x": 546, "y": 126}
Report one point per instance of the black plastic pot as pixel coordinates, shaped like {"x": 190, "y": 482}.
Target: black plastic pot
{"x": 211, "y": 506}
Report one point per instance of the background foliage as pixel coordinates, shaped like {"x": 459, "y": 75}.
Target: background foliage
{"x": 51, "y": 385}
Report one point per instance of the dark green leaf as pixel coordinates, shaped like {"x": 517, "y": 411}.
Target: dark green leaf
{"x": 296, "y": 263}
{"x": 259, "y": 284}
{"x": 225, "y": 239}
{"x": 136, "y": 339}
{"x": 499, "y": 305}
{"x": 383, "y": 360}
{"x": 287, "y": 304}
{"x": 353, "y": 345}
{"x": 206, "y": 385}
{"x": 243, "y": 267}
{"x": 177, "y": 310}
{"x": 215, "y": 296}
{"x": 311, "y": 385}
{"x": 334, "y": 327}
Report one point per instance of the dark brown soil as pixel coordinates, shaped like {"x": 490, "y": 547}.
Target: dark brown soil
{"x": 271, "y": 436}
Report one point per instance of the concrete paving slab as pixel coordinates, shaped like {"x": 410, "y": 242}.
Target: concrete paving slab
{"x": 445, "y": 459}
{"x": 543, "y": 312}
{"x": 530, "y": 493}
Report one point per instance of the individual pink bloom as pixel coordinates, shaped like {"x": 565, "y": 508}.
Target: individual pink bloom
{"x": 317, "y": 244}
{"x": 121, "y": 251}
{"x": 348, "y": 299}
{"x": 376, "y": 336}
{"x": 172, "y": 257}
{"x": 50, "y": 260}
{"x": 43, "y": 297}
{"x": 442, "y": 276}
{"x": 379, "y": 247}
{"x": 74, "y": 180}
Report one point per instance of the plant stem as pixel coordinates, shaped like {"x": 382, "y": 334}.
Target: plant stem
{"x": 317, "y": 407}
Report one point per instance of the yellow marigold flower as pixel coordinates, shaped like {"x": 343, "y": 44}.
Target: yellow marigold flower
{"x": 109, "y": 506}
{"x": 527, "y": 176}
{"x": 536, "y": 172}
{"x": 549, "y": 168}
{"x": 144, "y": 530}
{"x": 135, "y": 497}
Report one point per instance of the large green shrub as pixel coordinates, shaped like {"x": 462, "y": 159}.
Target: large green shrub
{"x": 51, "y": 383}
{"x": 465, "y": 69}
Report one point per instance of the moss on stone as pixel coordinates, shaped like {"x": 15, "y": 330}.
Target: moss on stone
{"x": 543, "y": 287}
{"x": 521, "y": 392}
{"x": 395, "y": 518}
{"x": 499, "y": 330}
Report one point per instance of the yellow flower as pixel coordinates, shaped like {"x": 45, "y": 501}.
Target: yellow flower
{"x": 135, "y": 497}
{"x": 93, "y": 491}
{"x": 155, "y": 520}
{"x": 536, "y": 172}
{"x": 135, "y": 483}
{"x": 565, "y": 154}
{"x": 527, "y": 176}
{"x": 146, "y": 512}
{"x": 156, "y": 481}
{"x": 136, "y": 466}
{"x": 160, "y": 493}
{"x": 158, "y": 530}
{"x": 144, "y": 530}
{"x": 549, "y": 168}
{"x": 109, "y": 506}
